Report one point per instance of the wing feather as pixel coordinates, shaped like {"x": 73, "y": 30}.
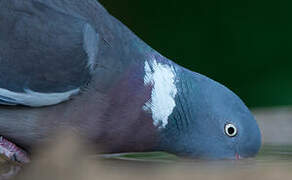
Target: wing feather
{"x": 46, "y": 56}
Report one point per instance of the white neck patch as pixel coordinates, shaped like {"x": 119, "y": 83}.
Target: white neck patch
{"x": 161, "y": 103}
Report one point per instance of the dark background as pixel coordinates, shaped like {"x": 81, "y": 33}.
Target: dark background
{"x": 244, "y": 44}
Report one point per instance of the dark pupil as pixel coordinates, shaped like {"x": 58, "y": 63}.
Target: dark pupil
{"x": 230, "y": 130}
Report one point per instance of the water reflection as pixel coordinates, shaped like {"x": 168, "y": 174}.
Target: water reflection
{"x": 276, "y": 157}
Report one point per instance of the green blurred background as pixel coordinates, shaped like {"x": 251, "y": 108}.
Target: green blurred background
{"x": 244, "y": 44}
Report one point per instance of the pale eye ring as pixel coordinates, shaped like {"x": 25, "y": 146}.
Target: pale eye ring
{"x": 230, "y": 130}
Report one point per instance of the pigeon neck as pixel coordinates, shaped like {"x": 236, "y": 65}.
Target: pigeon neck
{"x": 160, "y": 75}
{"x": 167, "y": 103}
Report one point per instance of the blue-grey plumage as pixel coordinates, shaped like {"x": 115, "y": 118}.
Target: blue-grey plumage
{"x": 198, "y": 123}
{"x": 69, "y": 64}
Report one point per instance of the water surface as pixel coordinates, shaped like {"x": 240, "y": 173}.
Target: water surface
{"x": 273, "y": 161}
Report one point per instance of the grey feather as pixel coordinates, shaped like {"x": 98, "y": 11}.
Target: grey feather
{"x": 43, "y": 49}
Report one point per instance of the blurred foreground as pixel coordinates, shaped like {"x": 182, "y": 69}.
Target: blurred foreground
{"x": 68, "y": 159}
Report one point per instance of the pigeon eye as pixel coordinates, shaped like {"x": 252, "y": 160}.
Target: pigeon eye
{"x": 230, "y": 130}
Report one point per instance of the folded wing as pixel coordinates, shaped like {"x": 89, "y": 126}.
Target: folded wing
{"x": 46, "y": 56}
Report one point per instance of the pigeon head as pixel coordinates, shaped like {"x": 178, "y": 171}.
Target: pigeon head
{"x": 199, "y": 117}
